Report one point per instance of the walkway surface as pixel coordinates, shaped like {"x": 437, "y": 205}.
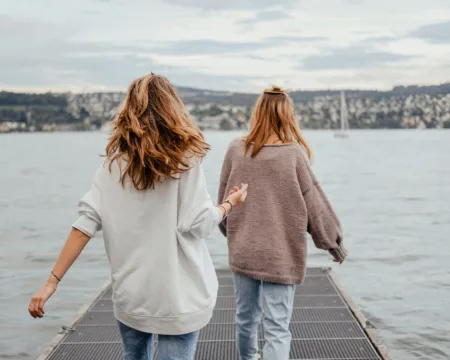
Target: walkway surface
{"x": 323, "y": 327}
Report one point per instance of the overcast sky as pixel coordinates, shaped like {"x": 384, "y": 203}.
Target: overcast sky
{"x": 236, "y": 45}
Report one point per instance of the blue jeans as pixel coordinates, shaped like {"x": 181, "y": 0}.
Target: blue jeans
{"x": 277, "y": 301}
{"x": 138, "y": 345}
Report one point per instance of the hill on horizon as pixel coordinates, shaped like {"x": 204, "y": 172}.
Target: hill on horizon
{"x": 199, "y": 96}
{"x": 196, "y": 96}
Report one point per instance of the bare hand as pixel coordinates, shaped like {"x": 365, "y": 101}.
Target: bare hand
{"x": 36, "y": 307}
{"x": 237, "y": 196}
{"x": 338, "y": 261}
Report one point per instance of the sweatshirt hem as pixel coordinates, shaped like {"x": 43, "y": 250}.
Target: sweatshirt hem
{"x": 256, "y": 275}
{"x": 179, "y": 325}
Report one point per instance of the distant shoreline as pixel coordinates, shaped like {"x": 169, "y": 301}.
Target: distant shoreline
{"x": 401, "y": 108}
{"x": 218, "y": 130}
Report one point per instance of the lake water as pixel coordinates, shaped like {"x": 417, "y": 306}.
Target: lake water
{"x": 390, "y": 188}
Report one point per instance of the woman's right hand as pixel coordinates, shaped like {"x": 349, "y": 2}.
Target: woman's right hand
{"x": 36, "y": 307}
{"x": 237, "y": 196}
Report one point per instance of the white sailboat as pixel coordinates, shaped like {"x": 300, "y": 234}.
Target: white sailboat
{"x": 343, "y": 132}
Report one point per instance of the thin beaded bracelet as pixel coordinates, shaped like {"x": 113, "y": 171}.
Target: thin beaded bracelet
{"x": 226, "y": 212}
{"x": 231, "y": 205}
{"x": 57, "y": 278}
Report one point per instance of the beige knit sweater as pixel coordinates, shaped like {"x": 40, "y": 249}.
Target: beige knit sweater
{"x": 267, "y": 235}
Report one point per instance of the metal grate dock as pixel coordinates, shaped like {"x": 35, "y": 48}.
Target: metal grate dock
{"x": 325, "y": 325}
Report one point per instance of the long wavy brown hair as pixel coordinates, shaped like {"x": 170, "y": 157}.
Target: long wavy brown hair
{"x": 273, "y": 114}
{"x": 153, "y": 137}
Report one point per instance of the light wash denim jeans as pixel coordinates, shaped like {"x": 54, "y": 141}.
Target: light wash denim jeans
{"x": 273, "y": 303}
{"x": 138, "y": 345}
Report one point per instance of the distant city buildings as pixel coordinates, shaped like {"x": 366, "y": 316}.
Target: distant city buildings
{"x": 210, "y": 110}
{"x": 410, "y": 111}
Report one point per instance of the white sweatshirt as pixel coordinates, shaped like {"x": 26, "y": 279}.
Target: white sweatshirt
{"x": 163, "y": 277}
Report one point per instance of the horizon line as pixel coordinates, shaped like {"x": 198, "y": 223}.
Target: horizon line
{"x": 87, "y": 91}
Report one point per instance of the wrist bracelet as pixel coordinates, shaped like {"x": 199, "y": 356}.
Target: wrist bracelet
{"x": 225, "y": 210}
{"x": 229, "y": 202}
{"x": 57, "y": 278}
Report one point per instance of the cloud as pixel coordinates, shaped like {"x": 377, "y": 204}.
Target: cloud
{"x": 101, "y": 70}
{"x": 89, "y": 12}
{"x": 214, "y": 47}
{"x": 355, "y": 57}
{"x": 231, "y": 4}
{"x": 258, "y": 57}
{"x": 434, "y": 33}
{"x": 50, "y": 48}
{"x": 52, "y": 60}
{"x": 296, "y": 38}
{"x": 355, "y": 2}
{"x": 272, "y": 15}
{"x": 265, "y": 16}
{"x": 205, "y": 46}
{"x": 109, "y": 3}
{"x": 375, "y": 40}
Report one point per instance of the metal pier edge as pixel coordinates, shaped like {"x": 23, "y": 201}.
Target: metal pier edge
{"x": 369, "y": 329}
{"x": 66, "y": 329}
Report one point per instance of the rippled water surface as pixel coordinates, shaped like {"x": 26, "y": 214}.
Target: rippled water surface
{"x": 390, "y": 188}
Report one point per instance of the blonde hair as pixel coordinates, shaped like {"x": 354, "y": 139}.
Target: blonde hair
{"x": 153, "y": 134}
{"x": 274, "y": 114}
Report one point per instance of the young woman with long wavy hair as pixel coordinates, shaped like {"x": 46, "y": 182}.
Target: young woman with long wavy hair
{"x": 150, "y": 200}
{"x": 267, "y": 241}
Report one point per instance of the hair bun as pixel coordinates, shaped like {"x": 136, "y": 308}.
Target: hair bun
{"x": 275, "y": 89}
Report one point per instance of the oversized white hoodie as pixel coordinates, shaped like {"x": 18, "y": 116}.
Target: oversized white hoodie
{"x": 163, "y": 277}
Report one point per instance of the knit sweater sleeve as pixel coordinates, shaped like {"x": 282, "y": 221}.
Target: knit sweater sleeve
{"x": 224, "y": 176}
{"x": 323, "y": 223}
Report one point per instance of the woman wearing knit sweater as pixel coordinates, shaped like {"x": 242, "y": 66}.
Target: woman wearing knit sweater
{"x": 267, "y": 241}
{"x": 150, "y": 200}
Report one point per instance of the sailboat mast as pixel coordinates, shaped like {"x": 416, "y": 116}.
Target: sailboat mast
{"x": 344, "y": 118}
{"x": 342, "y": 111}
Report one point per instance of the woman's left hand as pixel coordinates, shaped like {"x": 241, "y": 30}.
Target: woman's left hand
{"x": 233, "y": 190}
{"x": 36, "y": 307}
{"x": 237, "y": 196}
